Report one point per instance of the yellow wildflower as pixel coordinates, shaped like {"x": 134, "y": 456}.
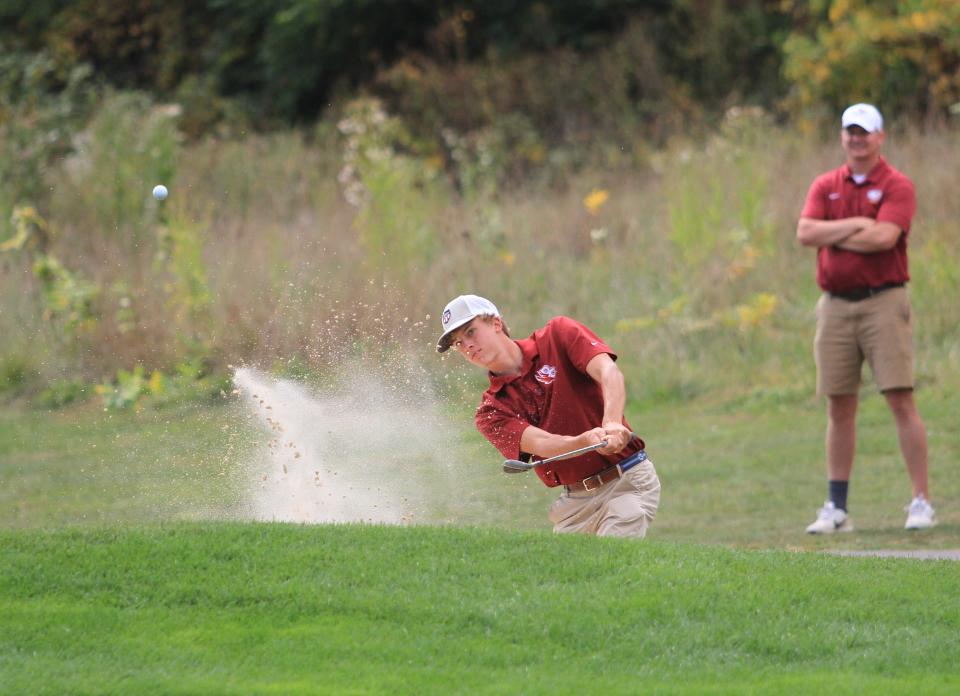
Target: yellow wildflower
{"x": 595, "y": 200}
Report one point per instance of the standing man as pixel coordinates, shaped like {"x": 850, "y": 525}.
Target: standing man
{"x": 554, "y": 392}
{"x": 858, "y": 218}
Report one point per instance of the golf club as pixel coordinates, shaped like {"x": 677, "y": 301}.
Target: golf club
{"x": 515, "y": 466}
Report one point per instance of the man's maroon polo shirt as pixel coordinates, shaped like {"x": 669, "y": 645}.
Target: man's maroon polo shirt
{"x": 887, "y": 195}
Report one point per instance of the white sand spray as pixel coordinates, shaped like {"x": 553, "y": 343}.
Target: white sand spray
{"x": 364, "y": 452}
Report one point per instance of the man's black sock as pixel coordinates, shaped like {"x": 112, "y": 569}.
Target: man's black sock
{"x": 838, "y": 494}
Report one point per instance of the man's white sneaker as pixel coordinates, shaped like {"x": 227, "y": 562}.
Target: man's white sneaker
{"x": 830, "y": 519}
{"x": 920, "y": 514}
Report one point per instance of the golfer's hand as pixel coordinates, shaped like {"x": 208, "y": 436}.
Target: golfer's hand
{"x": 617, "y": 437}
{"x": 594, "y": 436}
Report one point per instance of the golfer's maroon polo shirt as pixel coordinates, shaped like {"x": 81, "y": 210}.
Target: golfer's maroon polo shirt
{"x": 887, "y": 195}
{"x": 553, "y": 392}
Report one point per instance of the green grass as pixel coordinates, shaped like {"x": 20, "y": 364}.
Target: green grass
{"x": 86, "y": 465}
{"x": 750, "y": 471}
{"x": 744, "y": 470}
{"x": 267, "y": 608}
{"x": 118, "y": 573}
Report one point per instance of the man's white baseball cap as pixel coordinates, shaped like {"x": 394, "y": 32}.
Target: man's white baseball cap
{"x": 864, "y": 115}
{"x": 459, "y": 311}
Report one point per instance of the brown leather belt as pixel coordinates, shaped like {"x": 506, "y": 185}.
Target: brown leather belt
{"x": 592, "y": 483}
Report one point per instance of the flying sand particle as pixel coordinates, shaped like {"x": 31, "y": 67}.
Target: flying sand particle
{"x": 403, "y": 436}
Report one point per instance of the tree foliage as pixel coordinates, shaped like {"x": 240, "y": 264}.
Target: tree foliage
{"x": 904, "y": 56}
{"x": 288, "y": 59}
{"x": 564, "y": 66}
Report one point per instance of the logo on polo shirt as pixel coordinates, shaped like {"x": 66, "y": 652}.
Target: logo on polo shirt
{"x": 546, "y": 374}
{"x": 834, "y": 196}
{"x": 446, "y": 317}
{"x": 874, "y": 195}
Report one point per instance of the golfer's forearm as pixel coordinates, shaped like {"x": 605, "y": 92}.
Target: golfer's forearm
{"x": 543, "y": 444}
{"x": 819, "y": 233}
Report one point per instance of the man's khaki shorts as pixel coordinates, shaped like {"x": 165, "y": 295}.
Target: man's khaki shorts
{"x": 623, "y": 507}
{"x": 878, "y": 329}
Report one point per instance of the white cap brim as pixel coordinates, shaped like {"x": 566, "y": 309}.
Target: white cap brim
{"x": 459, "y": 311}
{"x": 443, "y": 345}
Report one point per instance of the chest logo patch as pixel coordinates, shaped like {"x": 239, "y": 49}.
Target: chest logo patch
{"x": 874, "y": 195}
{"x": 546, "y": 374}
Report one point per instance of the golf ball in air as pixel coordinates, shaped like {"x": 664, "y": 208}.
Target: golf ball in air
{"x": 159, "y": 192}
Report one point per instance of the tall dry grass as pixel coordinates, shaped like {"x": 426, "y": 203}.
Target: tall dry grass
{"x": 689, "y": 267}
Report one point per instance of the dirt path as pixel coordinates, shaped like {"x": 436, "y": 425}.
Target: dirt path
{"x": 923, "y": 555}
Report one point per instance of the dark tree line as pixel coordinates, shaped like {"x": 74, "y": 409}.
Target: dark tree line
{"x": 285, "y": 60}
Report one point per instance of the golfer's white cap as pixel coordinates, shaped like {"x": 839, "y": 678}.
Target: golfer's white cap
{"x": 864, "y": 115}
{"x": 459, "y": 311}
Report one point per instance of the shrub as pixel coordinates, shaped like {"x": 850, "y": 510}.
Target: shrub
{"x": 130, "y": 145}
{"x": 17, "y": 374}
{"x": 42, "y": 104}
{"x": 396, "y": 192}
{"x": 64, "y": 392}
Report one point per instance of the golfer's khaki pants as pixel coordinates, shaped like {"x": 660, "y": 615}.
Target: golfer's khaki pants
{"x": 624, "y": 507}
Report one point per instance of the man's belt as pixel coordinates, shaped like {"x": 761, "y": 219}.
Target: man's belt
{"x": 607, "y": 475}
{"x": 858, "y": 294}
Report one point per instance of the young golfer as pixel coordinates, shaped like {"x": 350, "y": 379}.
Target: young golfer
{"x": 858, "y": 218}
{"x": 554, "y": 392}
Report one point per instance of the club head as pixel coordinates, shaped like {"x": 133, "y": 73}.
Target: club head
{"x": 515, "y": 466}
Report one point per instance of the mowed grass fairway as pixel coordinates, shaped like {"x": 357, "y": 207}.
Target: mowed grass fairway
{"x": 116, "y": 577}
{"x": 269, "y": 608}
{"x": 745, "y": 471}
